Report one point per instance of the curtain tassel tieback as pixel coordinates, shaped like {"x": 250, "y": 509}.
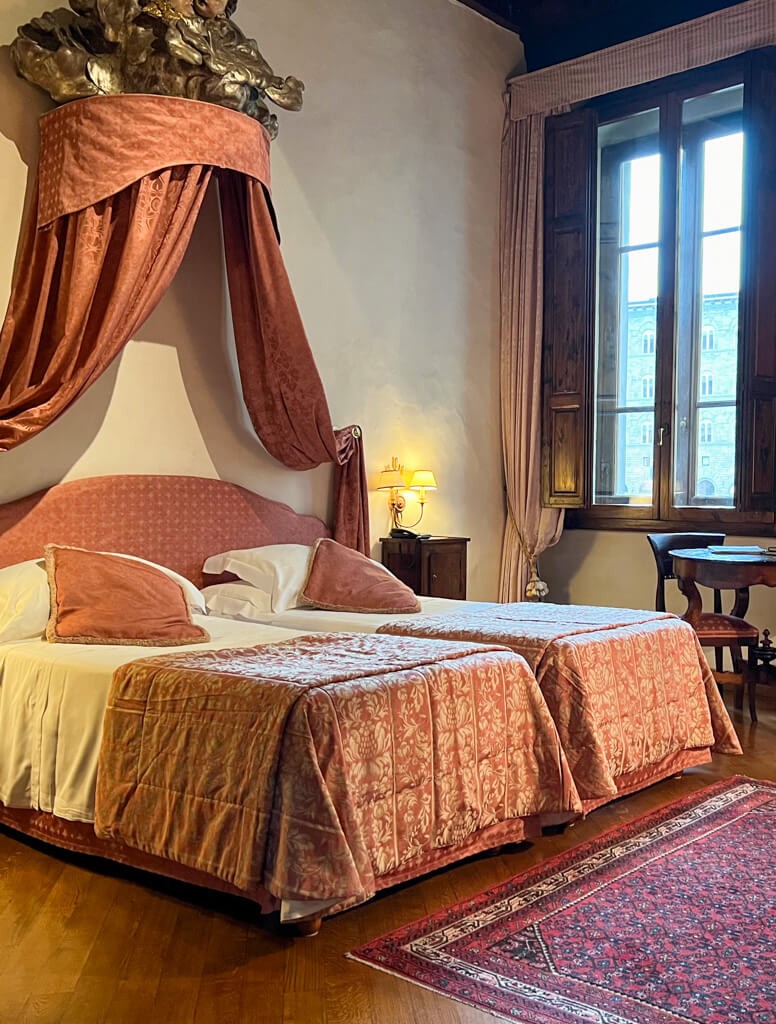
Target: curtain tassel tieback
{"x": 535, "y": 589}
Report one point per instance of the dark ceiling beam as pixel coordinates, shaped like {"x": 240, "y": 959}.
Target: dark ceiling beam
{"x": 598, "y": 24}
{"x": 556, "y": 30}
{"x": 500, "y": 11}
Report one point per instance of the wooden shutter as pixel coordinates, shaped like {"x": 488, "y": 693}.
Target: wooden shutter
{"x": 759, "y": 407}
{"x": 567, "y": 357}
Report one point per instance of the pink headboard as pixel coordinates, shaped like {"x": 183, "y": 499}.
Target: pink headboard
{"x": 176, "y": 521}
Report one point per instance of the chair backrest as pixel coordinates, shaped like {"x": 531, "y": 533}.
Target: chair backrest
{"x": 662, "y": 543}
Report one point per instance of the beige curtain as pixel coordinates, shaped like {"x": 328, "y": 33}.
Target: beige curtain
{"x": 531, "y": 529}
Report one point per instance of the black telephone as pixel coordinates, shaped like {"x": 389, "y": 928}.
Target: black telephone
{"x": 400, "y": 533}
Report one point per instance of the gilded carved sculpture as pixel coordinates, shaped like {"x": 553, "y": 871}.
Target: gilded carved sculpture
{"x": 188, "y": 48}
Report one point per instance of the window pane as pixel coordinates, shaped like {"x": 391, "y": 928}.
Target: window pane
{"x": 643, "y": 208}
{"x": 639, "y": 271}
{"x": 721, "y": 257}
{"x": 723, "y": 166}
{"x": 709, "y": 248}
{"x": 628, "y": 248}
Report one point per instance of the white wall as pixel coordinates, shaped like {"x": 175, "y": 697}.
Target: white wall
{"x": 386, "y": 187}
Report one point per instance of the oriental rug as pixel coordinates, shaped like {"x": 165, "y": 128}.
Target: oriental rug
{"x": 670, "y": 919}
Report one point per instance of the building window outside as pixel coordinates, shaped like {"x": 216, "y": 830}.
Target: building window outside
{"x": 647, "y": 433}
{"x": 647, "y": 387}
{"x": 707, "y": 339}
{"x": 706, "y": 432}
{"x": 648, "y": 343}
{"x": 707, "y": 385}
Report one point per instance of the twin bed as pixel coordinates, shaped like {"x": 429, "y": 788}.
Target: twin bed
{"x": 360, "y": 760}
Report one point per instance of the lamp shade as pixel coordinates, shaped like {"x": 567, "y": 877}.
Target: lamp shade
{"x": 391, "y": 478}
{"x": 423, "y": 479}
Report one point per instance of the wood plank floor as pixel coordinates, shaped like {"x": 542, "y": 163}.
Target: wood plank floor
{"x": 82, "y": 942}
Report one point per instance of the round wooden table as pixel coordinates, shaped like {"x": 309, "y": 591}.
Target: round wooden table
{"x": 734, "y": 571}
{"x": 726, "y": 571}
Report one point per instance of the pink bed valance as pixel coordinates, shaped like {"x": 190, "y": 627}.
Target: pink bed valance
{"x": 120, "y": 185}
{"x": 77, "y": 169}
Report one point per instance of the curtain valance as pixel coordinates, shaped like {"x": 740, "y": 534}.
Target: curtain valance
{"x": 746, "y": 26}
{"x": 120, "y": 184}
{"x": 94, "y": 148}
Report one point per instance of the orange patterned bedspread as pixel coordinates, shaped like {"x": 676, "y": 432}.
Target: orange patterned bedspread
{"x": 628, "y": 690}
{"x": 316, "y": 766}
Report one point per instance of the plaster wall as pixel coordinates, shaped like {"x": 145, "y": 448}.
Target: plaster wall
{"x": 386, "y": 187}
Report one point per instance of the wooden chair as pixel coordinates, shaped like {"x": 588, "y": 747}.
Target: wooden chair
{"x": 715, "y": 629}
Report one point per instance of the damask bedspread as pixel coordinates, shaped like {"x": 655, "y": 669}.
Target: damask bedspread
{"x": 317, "y": 766}
{"x": 630, "y": 691}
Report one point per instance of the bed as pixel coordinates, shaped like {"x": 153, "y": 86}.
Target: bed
{"x": 389, "y": 757}
{"x": 630, "y": 691}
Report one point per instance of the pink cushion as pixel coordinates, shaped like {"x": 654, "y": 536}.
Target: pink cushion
{"x": 341, "y": 579}
{"x": 719, "y": 630}
{"x": 98, "y": 598}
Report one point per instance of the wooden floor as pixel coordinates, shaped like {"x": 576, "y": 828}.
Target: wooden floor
{"x": 81, "y": 944}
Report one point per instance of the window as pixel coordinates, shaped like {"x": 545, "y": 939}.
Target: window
{"x": 656, "y": 302}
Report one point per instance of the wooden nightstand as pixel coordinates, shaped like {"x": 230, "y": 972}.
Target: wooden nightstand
{"x": 432, "y": 566}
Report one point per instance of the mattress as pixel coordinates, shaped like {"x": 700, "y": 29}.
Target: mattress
{"x": 52, "y": 705}
{"x": 314, "y": 620}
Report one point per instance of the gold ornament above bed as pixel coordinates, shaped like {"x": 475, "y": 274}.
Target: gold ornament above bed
{"x": 187, "y": 48}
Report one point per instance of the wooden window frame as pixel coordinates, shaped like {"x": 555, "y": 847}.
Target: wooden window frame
{"x": 756, "y": 427}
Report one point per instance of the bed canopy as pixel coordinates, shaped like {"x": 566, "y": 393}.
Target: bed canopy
{"x": 120, "y": 182}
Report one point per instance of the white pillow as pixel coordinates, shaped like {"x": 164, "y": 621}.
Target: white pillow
{"x": 238, "y": 601}
{"x": 280, "y": 570}
{"x": 24, "y": 601}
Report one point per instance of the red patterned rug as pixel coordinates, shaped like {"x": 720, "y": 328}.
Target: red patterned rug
{"x": 666, "y": 920}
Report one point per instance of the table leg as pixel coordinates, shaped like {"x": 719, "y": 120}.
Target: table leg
{"x": 741, "y": 605}
{"x": 694, "y": 602}
{"x": 753, "y": 669}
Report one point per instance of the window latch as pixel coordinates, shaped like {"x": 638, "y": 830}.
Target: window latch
{"x": 662, "y": 430}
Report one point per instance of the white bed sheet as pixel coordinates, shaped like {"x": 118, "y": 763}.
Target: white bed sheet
{"x": 52, "y": 704}
{"x": 314, "y": 620}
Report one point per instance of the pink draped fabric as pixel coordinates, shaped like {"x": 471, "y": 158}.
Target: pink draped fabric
{"x": 280, "y": 382}
{"x": 112, "y": 218}
{"x": 82, "y": 287}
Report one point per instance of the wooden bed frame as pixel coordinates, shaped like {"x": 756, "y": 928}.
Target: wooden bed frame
{"x": 176, "y": 521}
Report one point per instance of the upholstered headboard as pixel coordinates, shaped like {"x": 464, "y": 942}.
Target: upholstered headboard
{"x": 176, "y": 521}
